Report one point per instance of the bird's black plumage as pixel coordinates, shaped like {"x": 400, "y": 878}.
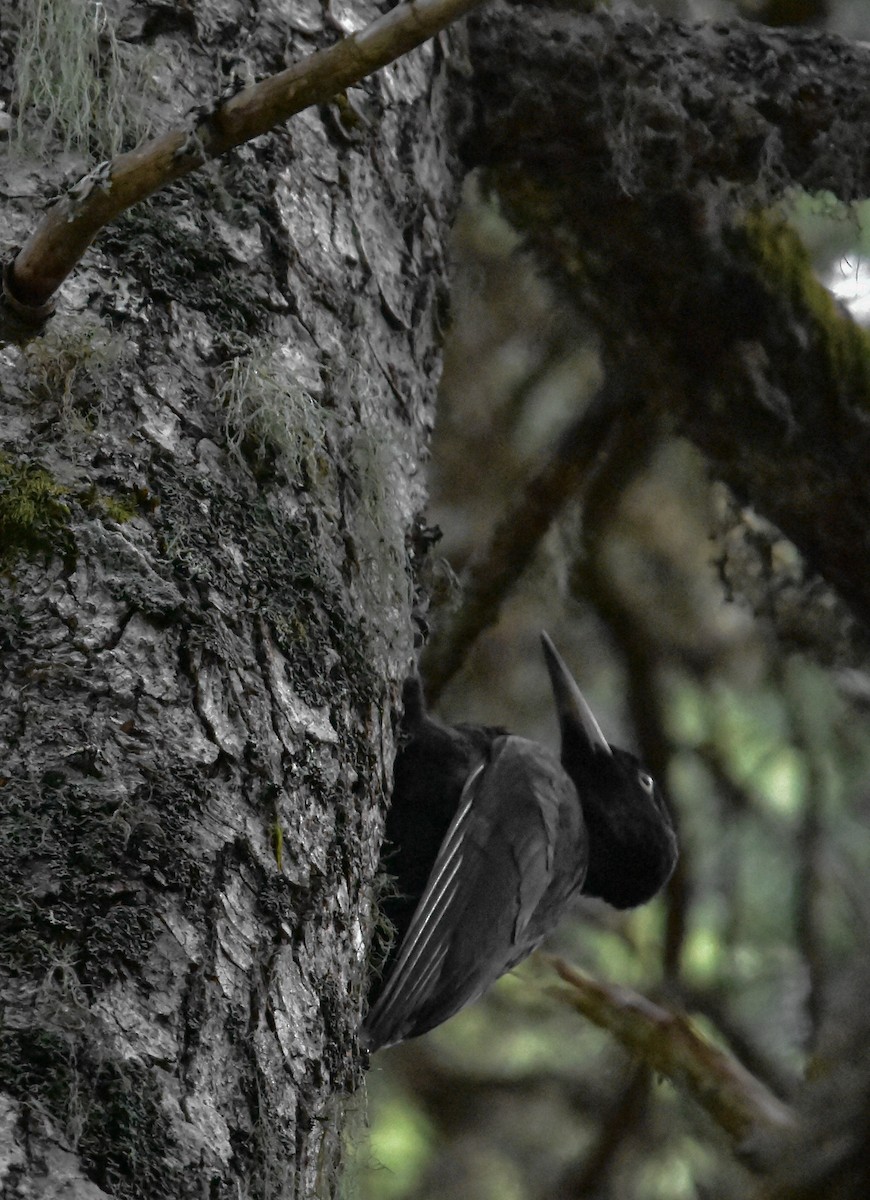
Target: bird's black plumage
{"x": 489, "y": 837}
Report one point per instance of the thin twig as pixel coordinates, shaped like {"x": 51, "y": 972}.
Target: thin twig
{"x": 69, "y": 227}
{"x": 810, "y": 846}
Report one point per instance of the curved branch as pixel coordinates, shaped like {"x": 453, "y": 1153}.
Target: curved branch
{"x": 69, "y": 227}
{"x": 624, "y": 184}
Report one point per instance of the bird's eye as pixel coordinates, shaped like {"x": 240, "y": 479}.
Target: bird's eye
{"x": 645, "y": 781}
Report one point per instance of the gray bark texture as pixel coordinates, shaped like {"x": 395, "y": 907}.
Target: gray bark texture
{"x": 209, "y": 481}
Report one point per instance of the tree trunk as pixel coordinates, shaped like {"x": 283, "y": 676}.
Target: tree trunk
{"x": 209, "y": 475}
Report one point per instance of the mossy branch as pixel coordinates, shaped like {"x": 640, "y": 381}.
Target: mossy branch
{"x": 69, "y": 227}
{"x": 631, "y": 184}
{"x": 786, "y": 267}
{"x": 668, "y": 1043}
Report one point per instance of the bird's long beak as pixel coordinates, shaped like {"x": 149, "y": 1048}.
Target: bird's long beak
{"x": 570, "y": 704}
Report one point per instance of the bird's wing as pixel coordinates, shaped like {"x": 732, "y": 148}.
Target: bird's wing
{"x": 514, "y": 854}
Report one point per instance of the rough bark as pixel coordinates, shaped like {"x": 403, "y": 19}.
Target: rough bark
{"x": 208, "y": 486}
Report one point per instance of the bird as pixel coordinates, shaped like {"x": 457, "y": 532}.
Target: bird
{"x": 490, "y": 837}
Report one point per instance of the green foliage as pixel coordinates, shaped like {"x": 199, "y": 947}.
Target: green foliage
{"x": 117, "y": 508}
{"x": 400, "y": 1146}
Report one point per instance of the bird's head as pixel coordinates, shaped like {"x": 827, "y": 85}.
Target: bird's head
{"x": 632, "y": 844}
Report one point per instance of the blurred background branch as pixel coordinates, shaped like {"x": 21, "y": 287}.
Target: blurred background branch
{"x": 667, "y": 1043}
{"x": 493, "y": 569}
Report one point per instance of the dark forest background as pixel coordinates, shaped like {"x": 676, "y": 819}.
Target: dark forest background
{"x": 705, "y": 645}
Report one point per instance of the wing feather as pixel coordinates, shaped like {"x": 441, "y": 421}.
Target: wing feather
{"x": 514, "y": 854}
{"x": 407, "y": 984}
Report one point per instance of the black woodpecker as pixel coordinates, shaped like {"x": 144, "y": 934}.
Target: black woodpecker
{"x": 489, "y": 837}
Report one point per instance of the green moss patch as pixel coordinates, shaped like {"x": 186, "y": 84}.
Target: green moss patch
{"x": 33, "y": 513}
